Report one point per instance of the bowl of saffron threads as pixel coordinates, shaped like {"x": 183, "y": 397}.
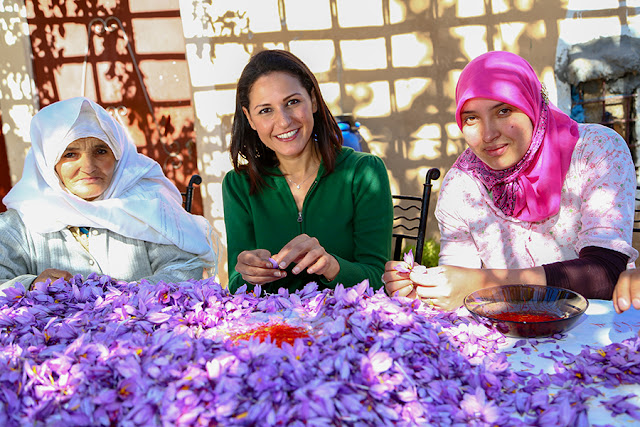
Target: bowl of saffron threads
{"x": 527, "y": 311}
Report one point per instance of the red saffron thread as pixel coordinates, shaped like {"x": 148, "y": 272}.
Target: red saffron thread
{"x": 525, "y": 317}
{"x": 278, "y": 332}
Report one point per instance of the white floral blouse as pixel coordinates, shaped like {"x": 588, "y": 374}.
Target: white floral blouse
{"x": 597, "y": 209}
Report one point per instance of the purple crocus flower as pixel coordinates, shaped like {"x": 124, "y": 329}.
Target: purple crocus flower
{"x": 407, "y": 264}
{"x": 478, "y": 409}
{"x": 102, "y": 352}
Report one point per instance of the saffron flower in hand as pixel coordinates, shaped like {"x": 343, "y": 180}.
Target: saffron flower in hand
{"x": 409, "y": 264}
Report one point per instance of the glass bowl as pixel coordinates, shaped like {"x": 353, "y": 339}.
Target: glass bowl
{"x": 527, "y": 310}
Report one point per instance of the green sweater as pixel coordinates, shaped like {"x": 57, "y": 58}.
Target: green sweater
{"x": 349, "y": 211}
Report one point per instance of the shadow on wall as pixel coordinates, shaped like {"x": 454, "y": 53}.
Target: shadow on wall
{"x": 5, "y": 177}
{"x": 103, "y": 50}
{"x": 393, "y": 65}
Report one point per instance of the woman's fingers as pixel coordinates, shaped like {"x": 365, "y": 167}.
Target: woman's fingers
{"x": 627, "y": 291}
{"x": 429, "y": 277}
{"x": 391, "y": 274}
{"x": 259, "y": 280}
{"x": 258, "y": 275}
{"x": 319, "y": 266}
{"x": 397, "y": 283}
{"x": 429, "y": 292}
{"x": 307, "y": 253}
{"x": 413, "y": 294}
{"x": 620, "y": 294}
{"x": 295, "y": 250}
{"x": 634, "y": 293}
{"x": 65, "y": 275}
{"x": 318, "y": 261}
{"x": 255, "y": 258}
{"x": 310, "y": 258}
{"x": 399, "y": 288}
{"x": 390, "y": 266}
{"x": 443, "y": 287}
{"x": 303, "y": 261}
{"x": 53, "y": 274}
{"x": 256, "y": 268}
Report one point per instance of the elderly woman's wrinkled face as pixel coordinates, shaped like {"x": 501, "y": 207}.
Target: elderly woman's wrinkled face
{"x": 86, "y": 167}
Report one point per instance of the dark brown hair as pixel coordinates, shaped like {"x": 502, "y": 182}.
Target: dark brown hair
{"x": 248, "y": 152}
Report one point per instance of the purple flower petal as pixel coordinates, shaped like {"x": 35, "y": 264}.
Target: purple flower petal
{"x": 102, "y": 352}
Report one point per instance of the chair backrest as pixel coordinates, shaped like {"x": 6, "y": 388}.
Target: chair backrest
{"x": 636, "y": 217}
{"x": 410, "y": 217}
{"x": 188, "y": 194}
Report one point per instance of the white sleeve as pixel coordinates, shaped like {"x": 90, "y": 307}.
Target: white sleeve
{"x": 607, "y": 179}
{"x": 457, "y": 246}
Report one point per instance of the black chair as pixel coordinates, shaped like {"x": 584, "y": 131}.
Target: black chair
{"x": 410, "y": 217}
{"x": 188, "y": 195}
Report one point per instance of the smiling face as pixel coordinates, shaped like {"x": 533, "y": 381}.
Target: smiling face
{"x": 281, "y": 112}
{"x": 86, "y": 167}
{"x": 498, "y": 133}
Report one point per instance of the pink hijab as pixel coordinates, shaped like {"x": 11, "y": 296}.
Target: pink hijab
{"x": 530, "y": 189}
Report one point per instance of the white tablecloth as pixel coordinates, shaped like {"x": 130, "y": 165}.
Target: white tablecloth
{"x": 600, "y": 326}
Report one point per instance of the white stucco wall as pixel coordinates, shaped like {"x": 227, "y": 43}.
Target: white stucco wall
{"x": 210, "y": 101}
{"x": 578, "y": 29}
{"x": 18, "y": 100}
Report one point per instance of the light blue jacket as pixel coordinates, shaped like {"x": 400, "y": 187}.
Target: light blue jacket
{"x": 24, "y": 255}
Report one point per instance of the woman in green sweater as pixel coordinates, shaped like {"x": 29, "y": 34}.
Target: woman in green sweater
{"x": 298, "y": 206}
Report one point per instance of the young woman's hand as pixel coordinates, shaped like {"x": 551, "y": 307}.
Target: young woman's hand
{"x": 307, "y": 253}
{"x": 256, "y": 267}
{"x": 627, "y": 291}
{"x": 446, "y": 286}
{"x": 397, "y": 283}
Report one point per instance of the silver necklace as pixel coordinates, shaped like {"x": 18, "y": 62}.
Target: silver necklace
{"x": 304, "y": 180}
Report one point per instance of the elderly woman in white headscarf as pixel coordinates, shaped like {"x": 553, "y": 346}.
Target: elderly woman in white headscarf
{"x": 89, "y": 202}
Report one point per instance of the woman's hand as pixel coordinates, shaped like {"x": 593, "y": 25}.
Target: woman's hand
{"x": 627, "y": 291}
{"x": 53, "y": 274}
{"x": 446, "y": 286}
{"x": 256, "y": 268}
{"x": 308, "y": 254}
{"x": 396, "y": 281}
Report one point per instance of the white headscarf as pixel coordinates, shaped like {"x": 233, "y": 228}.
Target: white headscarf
{"x": 140, "y": 202}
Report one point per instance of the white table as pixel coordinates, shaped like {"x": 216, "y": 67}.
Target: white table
{"x": 600, "y": 326}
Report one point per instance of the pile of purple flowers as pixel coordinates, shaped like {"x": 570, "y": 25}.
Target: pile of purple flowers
{"x": 100, "y": 352}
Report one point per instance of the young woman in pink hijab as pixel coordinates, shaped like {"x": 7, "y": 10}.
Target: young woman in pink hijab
{"x": 536, "y": 198}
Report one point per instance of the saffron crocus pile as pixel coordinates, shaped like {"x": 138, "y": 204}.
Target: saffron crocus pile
{"x": 99, "y": 352}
